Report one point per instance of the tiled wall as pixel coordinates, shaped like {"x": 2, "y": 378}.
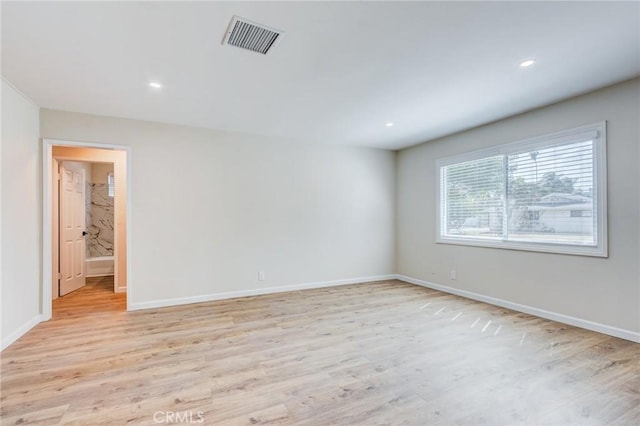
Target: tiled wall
{"x": 99, "y": 220}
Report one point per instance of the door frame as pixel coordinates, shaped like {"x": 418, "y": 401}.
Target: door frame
{"x": 47, "y": 217}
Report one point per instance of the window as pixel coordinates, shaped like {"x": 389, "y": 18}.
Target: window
{"x": 111, "y": 186}
{"x": 581, "y": 213}
{"x": 542, "y": 194}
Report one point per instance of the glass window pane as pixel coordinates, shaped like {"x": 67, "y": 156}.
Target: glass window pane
{"x": 474, "y": 199}
{"x": 551, "y": 195}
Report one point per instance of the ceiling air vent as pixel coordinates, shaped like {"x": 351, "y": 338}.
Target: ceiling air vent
{"x": 250, "y": 35}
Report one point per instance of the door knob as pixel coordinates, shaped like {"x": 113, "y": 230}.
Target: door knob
{"x": 84, "y": 233}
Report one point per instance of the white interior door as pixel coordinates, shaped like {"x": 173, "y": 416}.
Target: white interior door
{"x": 72, "y": 228}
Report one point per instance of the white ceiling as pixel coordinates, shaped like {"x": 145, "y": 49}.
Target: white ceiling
{"x": 341, "y": 71}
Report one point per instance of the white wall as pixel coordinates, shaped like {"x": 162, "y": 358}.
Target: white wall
{"x": 209, "y": 209}
{"x": 21, "y": 216}
{"x": 605, "y": 291}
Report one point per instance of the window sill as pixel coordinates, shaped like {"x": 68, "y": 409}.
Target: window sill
{"x": 593, "y": 251}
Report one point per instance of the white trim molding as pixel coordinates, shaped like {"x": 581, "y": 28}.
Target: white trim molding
{"x": 21, "y": 331}
{"x": 554, "y": 316}
{"x": 255, "y": 292}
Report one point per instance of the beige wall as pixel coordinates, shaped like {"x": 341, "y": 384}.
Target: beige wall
{"x": 605, "y": 291}
{"x": 100, "y": 171}
{"x": 21, "y": 219}
{"x": 210, "y": 209}
{"x": 119, "y": 161}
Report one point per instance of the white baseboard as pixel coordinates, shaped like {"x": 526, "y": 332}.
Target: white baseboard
{"x": 254, "y": 292}
{"x": 21, "y": 331}
{"x": 566, "y": 319}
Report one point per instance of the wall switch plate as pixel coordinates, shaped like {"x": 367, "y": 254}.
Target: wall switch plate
{"x": 453, "y": 275}
{"x": 261, "y": 276}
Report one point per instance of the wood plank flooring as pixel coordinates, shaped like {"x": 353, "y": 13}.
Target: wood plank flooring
{"x": 383, "y": 353}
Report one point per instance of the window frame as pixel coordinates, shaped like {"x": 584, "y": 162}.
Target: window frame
{"x": 596, "y": 132}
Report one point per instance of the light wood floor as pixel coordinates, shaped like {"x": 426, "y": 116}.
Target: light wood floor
{"x": 369, "y": 354}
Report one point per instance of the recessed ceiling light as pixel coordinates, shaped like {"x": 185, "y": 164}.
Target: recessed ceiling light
{"x": 389, "y": 124}
{"x": 527, "y": 63}
{"x": 155, "y": 85}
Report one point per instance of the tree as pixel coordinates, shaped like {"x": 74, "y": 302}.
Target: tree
{"x": 475, "y": 189}
{"x": 551, "y": 183}
{"x": 523, "y": 194}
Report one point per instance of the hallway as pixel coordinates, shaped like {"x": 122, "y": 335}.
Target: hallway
{"x": 96, "y": 298}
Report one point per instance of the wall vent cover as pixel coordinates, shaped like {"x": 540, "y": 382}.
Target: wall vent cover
{"x": 251, "y": 36}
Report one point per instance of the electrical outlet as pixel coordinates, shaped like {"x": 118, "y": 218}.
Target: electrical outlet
{"x": 453, "y": 275}
{"x": 261, "y": 276}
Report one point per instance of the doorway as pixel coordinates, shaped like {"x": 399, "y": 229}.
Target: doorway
{"x": 85, "y": 216}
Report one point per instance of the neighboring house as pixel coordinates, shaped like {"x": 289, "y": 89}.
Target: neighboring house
{"x": 556, "y": 212}
{"x": 563, "y": 213}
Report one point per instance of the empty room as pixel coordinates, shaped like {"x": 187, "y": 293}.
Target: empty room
{"x": 320, "y": 213}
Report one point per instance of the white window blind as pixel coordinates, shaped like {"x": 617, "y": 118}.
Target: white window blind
{"x": 542, "y": 194}
{"x": 111, "y": 185}
{"x": 474, "y": 198}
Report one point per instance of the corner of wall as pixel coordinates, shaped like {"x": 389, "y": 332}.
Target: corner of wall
{"x": 396, "y": 187}
{"x": 21, "y": 331}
